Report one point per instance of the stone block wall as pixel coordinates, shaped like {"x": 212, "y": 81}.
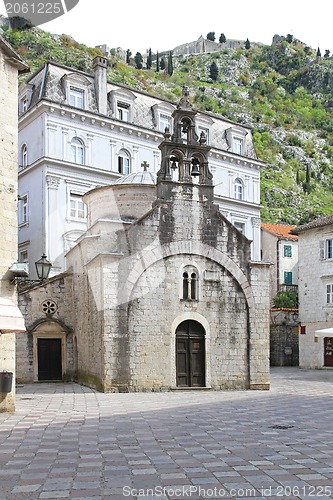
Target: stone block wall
{"x": 8, "y": 211}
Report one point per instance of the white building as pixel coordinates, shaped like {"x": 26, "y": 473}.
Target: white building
{"x": 281, "y": 249}
{"x": 316, "y": 293}
{"x": 77, "y": 131}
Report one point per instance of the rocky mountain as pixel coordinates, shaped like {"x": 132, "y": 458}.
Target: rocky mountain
{"x": 283, "y": 91}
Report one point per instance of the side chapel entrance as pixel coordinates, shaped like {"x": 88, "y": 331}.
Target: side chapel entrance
{"x": 49, "y": 359}
{"x": 49, "y": 343}
{"x": 190, "y": 354}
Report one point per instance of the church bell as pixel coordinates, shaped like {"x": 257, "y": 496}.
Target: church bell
{"x": 195, "y": 171}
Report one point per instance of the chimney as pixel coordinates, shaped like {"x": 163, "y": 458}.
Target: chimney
{"x": 100, "y": 66}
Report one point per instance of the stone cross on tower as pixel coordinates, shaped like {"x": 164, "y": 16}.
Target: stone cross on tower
{"x": 145, "y": 166}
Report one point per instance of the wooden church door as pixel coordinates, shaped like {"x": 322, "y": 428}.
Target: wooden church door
{"x": 49, "y": 359}
{"x": 190, "y": 354}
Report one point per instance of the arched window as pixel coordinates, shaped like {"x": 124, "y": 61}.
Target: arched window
{"x": 238, "y": 189}
{"x": 77, "y": 149}
{"x": 124, "y": 162}
{"x": 24, "y": 155}
{"x": 190, "y": 284}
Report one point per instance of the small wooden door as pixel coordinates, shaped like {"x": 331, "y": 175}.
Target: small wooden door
{"x": 328, "y": 351}
{"x": 49, "y": 359}
{"x": 190, "y": 354}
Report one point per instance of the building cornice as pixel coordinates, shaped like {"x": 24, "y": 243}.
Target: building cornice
{"x": 109, "y": 123}
{"x": 66, "y": 166}
{"x": 226, "y": 199}
{"x": 85, "y": 116}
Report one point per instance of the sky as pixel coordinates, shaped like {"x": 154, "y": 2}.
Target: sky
{"x": 162, "y": 25}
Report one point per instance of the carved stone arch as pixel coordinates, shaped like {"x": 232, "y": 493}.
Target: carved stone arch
{"x": 146, "y": 259}
{"x": 41, "y": 322}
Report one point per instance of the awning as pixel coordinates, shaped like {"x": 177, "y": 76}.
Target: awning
{"x": 11, "y": 319}
{"x": 326, "y": 332}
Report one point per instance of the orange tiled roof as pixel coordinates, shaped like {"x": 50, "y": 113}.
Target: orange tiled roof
{"x": 280, "y": 230}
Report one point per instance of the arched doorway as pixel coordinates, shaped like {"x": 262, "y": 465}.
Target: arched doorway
{"x": 49, "y": 351}
{"x": 190, "y": 354}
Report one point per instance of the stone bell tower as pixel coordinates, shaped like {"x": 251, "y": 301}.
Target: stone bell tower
{"x": 184, "y": 156}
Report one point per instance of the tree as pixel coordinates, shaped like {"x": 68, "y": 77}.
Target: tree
{"x": 138, "y": 59}
{"x": 213, "y": 71}
{"x": 157, "y": 62}
{"x": 306, "y": 184}
{"x": 149, "y": 62}
{"x": 222, "y": 38}
{"x": 290, "y": 38}
{"x": 162, "y": 64}
{"x": 318, "y": 52}
{"x": 247, "y": 44}
{"x": 128, "y": 56}
{"x": 327, "y": 54}
{"x": 170, "y": 64}
{"x": 211, "y": 36}
{"x": 285, "y": 300}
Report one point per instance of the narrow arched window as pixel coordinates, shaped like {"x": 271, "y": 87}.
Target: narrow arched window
{"x": 190, "y": 284}
{"x": 124, "y": 162}
{"x": 24, "y": 155}
{"x": 185, "y": 285}
{"x": 77, "y": 149}
{"x": 193, "y": 286}
{"x": 238, "y": 189}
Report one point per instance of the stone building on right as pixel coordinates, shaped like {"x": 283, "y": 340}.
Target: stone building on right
{"x": 315, "y": 287}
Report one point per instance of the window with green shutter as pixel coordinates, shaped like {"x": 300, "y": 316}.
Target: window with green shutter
{"x": 287, "y": 251}
{"x": 288, "y": 278}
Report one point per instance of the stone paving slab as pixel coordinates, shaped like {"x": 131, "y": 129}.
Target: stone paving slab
{"x": 69, "y": 441}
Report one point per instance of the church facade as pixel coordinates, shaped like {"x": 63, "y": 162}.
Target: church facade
{"x": 160, "y": 292}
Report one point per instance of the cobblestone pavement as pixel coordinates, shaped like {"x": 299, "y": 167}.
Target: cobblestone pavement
{"x": 68, "y": 441}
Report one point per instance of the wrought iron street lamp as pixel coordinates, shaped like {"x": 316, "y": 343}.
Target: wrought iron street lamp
{"x": 43, "y": 267}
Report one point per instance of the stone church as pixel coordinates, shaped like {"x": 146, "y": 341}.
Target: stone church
{"x": 160, "y": 293}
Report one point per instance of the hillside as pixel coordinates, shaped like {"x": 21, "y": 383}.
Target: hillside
{"x": 282, "y": 91}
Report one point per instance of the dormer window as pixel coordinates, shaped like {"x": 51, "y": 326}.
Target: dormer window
{"x": 76, "y": 97}
{"x": 25, "y": 103}
{"x": 25, "y": 95}
{"x": 236, "y": 139}
{"x": 204, "y": 124}
{"x": 164, "y": 122}
{"x": 162, "y": 113}
{"x": 237, "y": 145}
{"x": 123, "y": 111}
{"x": 121, "y": 104}
{"x": 75, "y": 87}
